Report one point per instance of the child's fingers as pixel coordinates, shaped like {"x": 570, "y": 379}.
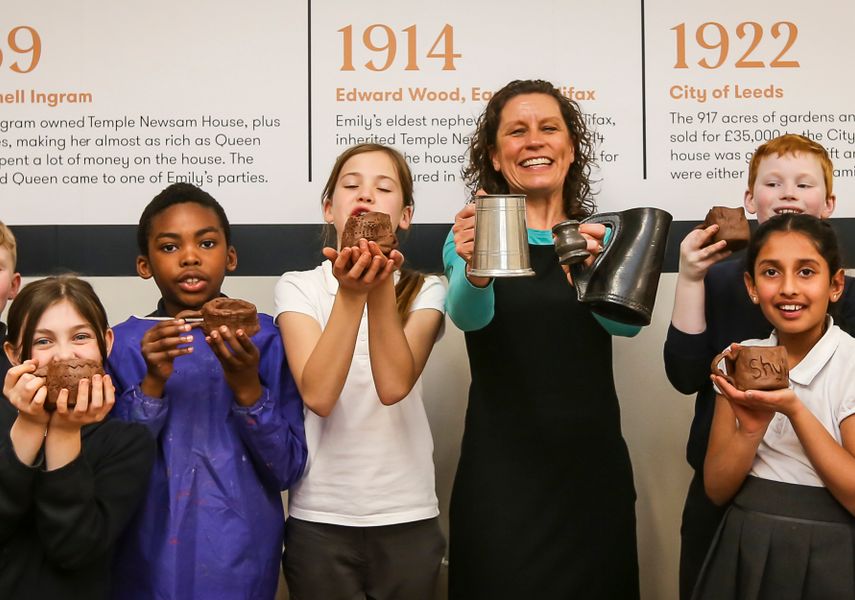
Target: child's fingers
{"x": 97, "y": 401}
{"x": 14, "y": 375}
{"x": 31, "y": 383}
{"x": 343, "y": 258}
{"x": 375, "y": 250}
{"x": 398, "y": 257}
{"x": 165, "y": 343}
{"x": 38, "y": 401}
{"x": 239, "y": 354}
{"x": 166, "y": 330}
{"x": 218, "y": 345}
{"x": 245, "y": 343}
{"x": 62, "y": 402}
{"x": 166, "y": 356}
{"x": 330, "y": 254}
{"x": 374, "y": 269}
{"x": 388, "y": 268}
{"x": 82, "y": 404}
{"x": 359, "y": 266}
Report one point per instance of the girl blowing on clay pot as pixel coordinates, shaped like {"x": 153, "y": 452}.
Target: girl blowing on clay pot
{"x": 786, "y": 458}
{"x": 69, "y": 479}
{"x": 357, "y": 332}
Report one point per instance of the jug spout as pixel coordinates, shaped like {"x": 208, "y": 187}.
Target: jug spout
{"x": 501, "y": 238}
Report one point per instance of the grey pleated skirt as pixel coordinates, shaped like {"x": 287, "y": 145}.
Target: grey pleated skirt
{"x": 780, "y": 541}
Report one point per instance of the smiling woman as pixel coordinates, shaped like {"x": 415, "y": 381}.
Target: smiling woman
{"x": 542, "y": 417}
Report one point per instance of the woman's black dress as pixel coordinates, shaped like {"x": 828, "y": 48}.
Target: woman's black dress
{"x": 543, "y": 504}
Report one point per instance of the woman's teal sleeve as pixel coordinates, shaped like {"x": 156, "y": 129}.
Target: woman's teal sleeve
{"x": 615, "y": 328}
{"x": 470, "y": 308}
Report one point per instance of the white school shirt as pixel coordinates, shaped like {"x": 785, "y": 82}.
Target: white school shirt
{"x": 368, "y": 464}
{"x": 825, "y": 383}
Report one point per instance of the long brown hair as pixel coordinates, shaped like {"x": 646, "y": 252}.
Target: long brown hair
{"x": 410, "y": 282}
{"x": 36, "y": 297}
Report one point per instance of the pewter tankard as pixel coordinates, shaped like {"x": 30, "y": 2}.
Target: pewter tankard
{"x": 621, "y": 283}
{"x": 501, "y": 238}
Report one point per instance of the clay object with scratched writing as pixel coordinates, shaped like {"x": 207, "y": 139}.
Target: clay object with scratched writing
{"x": 374, "y": 227}
{"x": 754, "y": 367}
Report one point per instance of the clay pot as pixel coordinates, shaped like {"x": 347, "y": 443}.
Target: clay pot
{"x": 66, "y": 374}
{"x": 570, "y": 244}
{"x": 231, "y": 312}
{"x": 732, "y": 226}
{"x": 374, "y": 227}
{"x": 754, "y": 367}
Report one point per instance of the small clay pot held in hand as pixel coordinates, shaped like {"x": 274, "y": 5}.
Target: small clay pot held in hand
{"x": 754, "y": 367}
{"x": 374, "y": 227}
{"x": 732, "y": 226}
{"x": 570, "y": 244}
{"x": 231, "y": 312}
{"x": 66, "y": 374}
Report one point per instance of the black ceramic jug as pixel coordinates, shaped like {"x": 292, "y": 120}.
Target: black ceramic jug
{"x": 621, "y": 283}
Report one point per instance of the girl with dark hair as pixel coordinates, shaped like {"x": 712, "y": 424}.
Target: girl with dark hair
{"x": 363, "y": 519}
{"x": 69, "y": 480}
{"x": 543, "y": 504}
{"x": 786, "y": 458}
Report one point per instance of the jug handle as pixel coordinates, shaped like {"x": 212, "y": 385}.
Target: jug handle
{"x": 581, "y": 273}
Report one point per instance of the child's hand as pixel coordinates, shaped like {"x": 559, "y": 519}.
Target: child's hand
{"x": 89, "y": 409}
{"x": 753, "y": 419}
{"x": 358, "y": 269}
{"x": 240, "y": 358}
{"x": 783, "y": 401}
{"x": 160, "y": 346}
{"x": 696, "y": 257}
{"x": 27, "y": 393}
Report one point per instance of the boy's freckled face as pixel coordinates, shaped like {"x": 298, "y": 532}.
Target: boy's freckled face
{"x": 789, "y": 183}
{"x": 187, "y": 256}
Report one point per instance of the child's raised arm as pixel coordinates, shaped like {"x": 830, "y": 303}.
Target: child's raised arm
{"x": 320, "y": 359}
{"x": 695, "y": 260}
{"x": 398, "y": 352}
